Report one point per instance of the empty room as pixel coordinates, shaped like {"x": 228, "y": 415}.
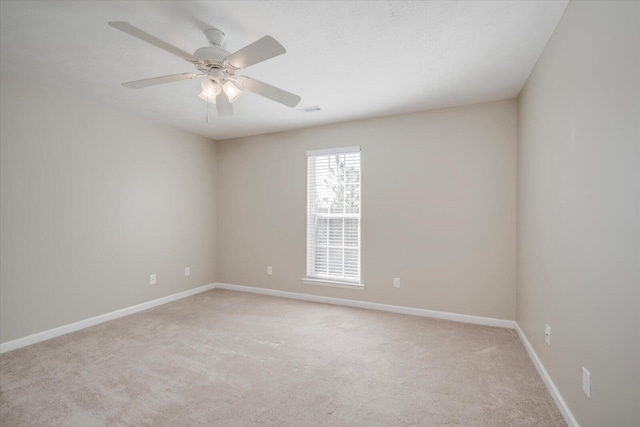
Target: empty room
{"x": 320, "y": 213}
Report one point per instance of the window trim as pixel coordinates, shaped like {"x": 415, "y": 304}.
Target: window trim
{"x": 333, "y": 281}
{"x": 329, "y": 151}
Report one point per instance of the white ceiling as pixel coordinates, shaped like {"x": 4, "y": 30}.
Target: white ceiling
{"x": 355, "y": 59}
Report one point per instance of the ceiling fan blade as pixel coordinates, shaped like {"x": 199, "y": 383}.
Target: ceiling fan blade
{"x": 258, "y": 51}
{"x": 268, "y": 91}
{"x": 223, "y": 105}
{"x": 135, "y": 32}
{"x": 160, "y": 80}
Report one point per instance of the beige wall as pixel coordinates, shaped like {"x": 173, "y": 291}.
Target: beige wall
{"x": 579, "y": 210}
{"x": 93, "y": 201}
{"x": 438, "y": 208}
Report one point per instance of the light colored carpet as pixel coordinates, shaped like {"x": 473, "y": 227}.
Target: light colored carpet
{"x": 224, "y": 358}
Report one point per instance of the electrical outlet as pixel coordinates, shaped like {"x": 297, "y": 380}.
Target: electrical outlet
{"x": 269, "y": 270}
{"x": 152, "y": 279}
{"x": 547, "y": 335}
{"x": 586, "y": 382}
{"x": 187, "y": 271}
{"x": 396, "y": 282}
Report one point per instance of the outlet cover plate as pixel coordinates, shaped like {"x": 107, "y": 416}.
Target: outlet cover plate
{"x": 586, "y": 382}
{"x": 547, "y": 335}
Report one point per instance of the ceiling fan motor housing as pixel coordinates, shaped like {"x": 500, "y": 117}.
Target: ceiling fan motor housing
{"x": 214, "y": 54}
{"x": 211, "y": 59}
{"x": 211, "y": 54}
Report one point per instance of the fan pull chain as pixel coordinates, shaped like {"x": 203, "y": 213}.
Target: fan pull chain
{"x": 207, "y": 108}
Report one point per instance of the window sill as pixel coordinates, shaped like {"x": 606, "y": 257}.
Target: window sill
{"x": 333, "y": 283}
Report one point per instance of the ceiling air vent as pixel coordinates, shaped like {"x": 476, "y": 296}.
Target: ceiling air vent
{"x": 311, "y": 109}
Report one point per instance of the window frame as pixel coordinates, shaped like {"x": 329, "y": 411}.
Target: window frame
{"x": 312, "y": 217}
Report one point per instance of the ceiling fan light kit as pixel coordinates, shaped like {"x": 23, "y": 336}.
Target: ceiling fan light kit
{"x": 220, "y": 86}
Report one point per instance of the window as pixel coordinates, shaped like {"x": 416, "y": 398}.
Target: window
{"x": 333, "y": 216}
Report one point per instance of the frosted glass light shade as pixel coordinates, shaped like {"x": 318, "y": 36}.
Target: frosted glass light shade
{"x": 206, "y": 97}
{"x": 211, "y": 87}
{"x": 231, "y": 90}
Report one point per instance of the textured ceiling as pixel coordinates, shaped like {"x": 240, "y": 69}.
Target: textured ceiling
{"x": 355, "y": 59}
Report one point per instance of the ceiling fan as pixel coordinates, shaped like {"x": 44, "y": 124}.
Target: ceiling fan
{"x": 221, "y": 86}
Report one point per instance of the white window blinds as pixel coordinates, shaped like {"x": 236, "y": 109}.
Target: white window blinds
{"x": 333, "y": 214}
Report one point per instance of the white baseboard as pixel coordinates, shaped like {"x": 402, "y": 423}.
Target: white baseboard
{"x": 72, "y": 327}
{"x": 487, "y": 321}
{"x": 555, "y": 393}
